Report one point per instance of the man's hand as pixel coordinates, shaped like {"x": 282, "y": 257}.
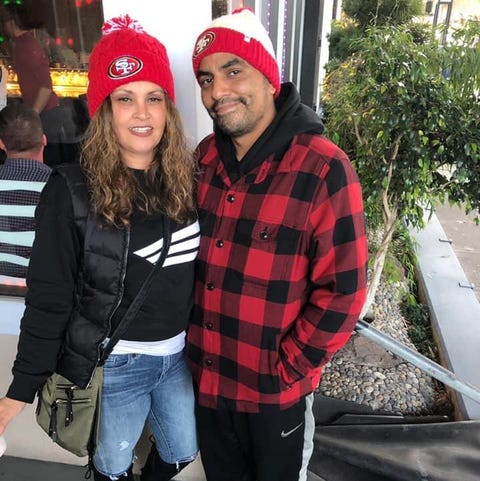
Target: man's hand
{"x": 9, "y": 408}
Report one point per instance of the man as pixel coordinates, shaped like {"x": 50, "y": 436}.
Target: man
{"x": 33, "y": 72}
{"x": 282, "y": 261}
{"x": 22, "y": 178}
{"x": 30, "y": 61}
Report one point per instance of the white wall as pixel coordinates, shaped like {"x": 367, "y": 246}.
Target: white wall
{"x": 324, "y": 46}
{"x": 11, "y": 310}
{"x": 176, "y": 24}
{"x": 463, "y": 9}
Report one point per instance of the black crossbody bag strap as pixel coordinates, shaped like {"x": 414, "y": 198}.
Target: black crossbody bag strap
{"x": 142, "y": 293}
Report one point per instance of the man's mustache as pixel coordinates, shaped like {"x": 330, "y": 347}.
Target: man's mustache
{"x": 223, "y": 100}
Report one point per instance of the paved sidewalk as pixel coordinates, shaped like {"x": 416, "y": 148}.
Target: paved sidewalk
{"x": 465, "y": 236}
{"x": 21, "y": 469}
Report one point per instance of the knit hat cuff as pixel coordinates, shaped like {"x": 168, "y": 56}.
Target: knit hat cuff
{"x": 218, "y": 39}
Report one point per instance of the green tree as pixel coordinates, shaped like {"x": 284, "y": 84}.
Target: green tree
{"x": 342, "y": 38}
{"x": 361, "y": 14}
{"x": 461, "y": 65}
{"x": 412, "y": 137}
{"x": 460, "y": 61}
{"x": 382, "y": 12}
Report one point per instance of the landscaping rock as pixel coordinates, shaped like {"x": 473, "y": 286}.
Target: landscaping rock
{"x": 366, "y": 373}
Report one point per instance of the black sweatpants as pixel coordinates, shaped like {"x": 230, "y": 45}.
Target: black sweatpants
{"x": 273, "y": 445}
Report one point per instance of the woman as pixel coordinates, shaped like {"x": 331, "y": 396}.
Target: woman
{"x": 84, "y": 274}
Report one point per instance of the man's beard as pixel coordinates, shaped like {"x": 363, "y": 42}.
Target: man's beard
{"x": 232, "y": 128}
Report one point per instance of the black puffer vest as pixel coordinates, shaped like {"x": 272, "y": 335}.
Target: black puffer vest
{"x": 99, "y": 286}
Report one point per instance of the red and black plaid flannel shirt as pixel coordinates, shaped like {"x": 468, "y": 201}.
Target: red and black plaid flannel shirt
{"x": 281, "y": 274}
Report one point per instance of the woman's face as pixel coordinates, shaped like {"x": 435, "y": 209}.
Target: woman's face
{"x": 139, "y": 113}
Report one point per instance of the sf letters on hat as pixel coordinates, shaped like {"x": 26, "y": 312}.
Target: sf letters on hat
{"x": 204, "y": 42}
{"x": 123, "y": 67}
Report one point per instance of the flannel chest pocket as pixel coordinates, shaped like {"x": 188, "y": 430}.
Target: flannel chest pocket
{"x": 265, "y": 251}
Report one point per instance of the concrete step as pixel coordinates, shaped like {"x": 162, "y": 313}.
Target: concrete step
{"x": 454, "y": 308}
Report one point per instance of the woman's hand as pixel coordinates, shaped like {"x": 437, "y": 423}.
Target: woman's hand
{"x": 9, "y": 408}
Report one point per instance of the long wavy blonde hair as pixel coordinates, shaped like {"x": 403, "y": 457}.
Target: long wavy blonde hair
{"x": 114, "y": 189}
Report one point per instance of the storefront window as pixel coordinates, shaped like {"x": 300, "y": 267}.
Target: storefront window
{"x": 67, "y": 30}
{"x": 56, "y": 37}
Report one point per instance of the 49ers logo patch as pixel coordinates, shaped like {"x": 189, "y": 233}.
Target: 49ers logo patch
{"x": 203, "y": 43}
{"x": 124, "y": 67}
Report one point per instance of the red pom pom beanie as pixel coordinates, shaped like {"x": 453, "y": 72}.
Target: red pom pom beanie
{"x": 242, "y": 34}
{"x": 126, "y": 53}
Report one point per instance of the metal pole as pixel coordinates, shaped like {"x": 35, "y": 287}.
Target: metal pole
{"x": 80, "y": 29}
{"x": 55, "y": 17}
{"x": 427, "y": 365}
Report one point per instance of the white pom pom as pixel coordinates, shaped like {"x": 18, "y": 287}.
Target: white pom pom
{"x": 119, "y": 23}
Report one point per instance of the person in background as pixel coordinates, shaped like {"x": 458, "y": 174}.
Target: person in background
{"x": 33, "y": 73}
{"x": 281, "y": 270}
{"x": 3, "y": 85}
{"x": 137, "y": 177}
{"x": 22, "y": 178}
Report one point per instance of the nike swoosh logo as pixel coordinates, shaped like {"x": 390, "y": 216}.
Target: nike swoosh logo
{"x": 284, "y": 434}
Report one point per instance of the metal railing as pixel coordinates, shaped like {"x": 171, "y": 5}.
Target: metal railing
{"x": 428, "y": 366}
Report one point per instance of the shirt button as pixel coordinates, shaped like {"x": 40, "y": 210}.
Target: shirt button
{"x": 210, "y": 286}
{"x": 208, "y": 362}
{"x": 219, "y": 243}
{"x": 230, "y": 198}
{"x": 209, "y": 325}
{"x": 264, "y": 235}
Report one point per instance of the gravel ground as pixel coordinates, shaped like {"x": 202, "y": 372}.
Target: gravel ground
{"x": 365, "y": 373}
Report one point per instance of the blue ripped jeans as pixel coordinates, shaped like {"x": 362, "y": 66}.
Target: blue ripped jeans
{"x": 139, "y": 389}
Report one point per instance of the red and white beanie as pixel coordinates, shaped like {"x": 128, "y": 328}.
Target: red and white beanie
{"x": 126, "y": 53}
{"x": 242, "y": 34}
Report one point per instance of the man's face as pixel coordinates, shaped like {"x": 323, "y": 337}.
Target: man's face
{"x": 237, "y": 96}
